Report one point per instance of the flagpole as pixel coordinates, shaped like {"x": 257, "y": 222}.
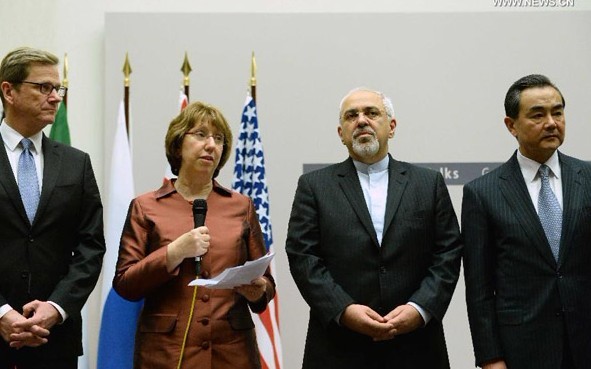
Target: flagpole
{"x": 65, "y": 80}
{"x": 253, "y": 78}
{"x": 249, "y": 179}
{"x": 119, "y": 317}
{"x": 126, "y": 73}
{"x": 186, "y": 69}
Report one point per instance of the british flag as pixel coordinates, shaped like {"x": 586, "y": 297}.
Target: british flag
{"x": 249, "y": 179}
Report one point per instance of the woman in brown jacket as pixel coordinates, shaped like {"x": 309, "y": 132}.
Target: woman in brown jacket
{"x": 181, "y": 327}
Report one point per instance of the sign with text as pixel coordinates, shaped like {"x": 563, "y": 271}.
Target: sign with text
{"x": 454, "y": 173}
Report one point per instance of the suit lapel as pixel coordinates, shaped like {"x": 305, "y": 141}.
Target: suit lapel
{"x": 349, "y": 183}
{"x": 514, "y": 189}
{"x": 51, "y": 170}
{"x": 397, "y": 182}
{"x": 8, "y": 181}
{"x": 572, "y": 193}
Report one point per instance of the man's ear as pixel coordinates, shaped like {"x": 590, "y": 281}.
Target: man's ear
{"x": 340, "y": 132}
{"x": 392, "y": 128}
{"x": 510, "y": 124}
{"x": 6, "y": 89}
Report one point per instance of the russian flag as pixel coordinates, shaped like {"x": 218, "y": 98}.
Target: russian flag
{"x": 119, "y": 317}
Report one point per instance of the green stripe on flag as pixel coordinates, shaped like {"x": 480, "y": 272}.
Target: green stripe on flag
{"x": 59, "y": 129}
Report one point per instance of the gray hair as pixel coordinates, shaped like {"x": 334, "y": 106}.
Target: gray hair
{"x": 385, "y": 100}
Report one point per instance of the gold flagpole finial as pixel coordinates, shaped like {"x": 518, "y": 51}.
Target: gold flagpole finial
{"x": 253, "y": 71}
{"x": 65, "y": 80}
{"x": 186, "y": 69}
{"x": 126, "y": 70}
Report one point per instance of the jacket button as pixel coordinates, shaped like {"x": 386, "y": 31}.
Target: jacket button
{"x": 383, "y": 270}
{"x": 205, "y": 298}
{"x": 205, "y": 274}
{"x": 205, "y": 345}
{"x": 24, "y": 275}
{"x": 205, "y": 321}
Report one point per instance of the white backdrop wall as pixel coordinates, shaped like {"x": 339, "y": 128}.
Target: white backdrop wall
{"x": 447, "y": 85}
{"x": 446, "y": 64}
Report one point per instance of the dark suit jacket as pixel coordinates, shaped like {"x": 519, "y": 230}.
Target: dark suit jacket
{"x": 521, "y": 302}
{"x": 336, "y": 261}
{"x": 59, "y": 257}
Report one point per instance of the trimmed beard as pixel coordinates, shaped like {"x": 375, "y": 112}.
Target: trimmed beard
{"x": 366, "y": 149}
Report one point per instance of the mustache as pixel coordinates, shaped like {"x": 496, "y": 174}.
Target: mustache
{"x": 366, "y": 130}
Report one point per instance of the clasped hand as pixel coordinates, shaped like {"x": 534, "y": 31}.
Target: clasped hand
{"x": 191, "y": 244}
{"x": 32, "y": 327}
{"x": 362, "y": 319}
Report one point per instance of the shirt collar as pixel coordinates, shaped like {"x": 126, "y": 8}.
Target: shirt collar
{"x": 168, "y": 188}
{"x": 530, "y": 167}
{"x": 12, "y": 138}
{"x": 380, "y": 166}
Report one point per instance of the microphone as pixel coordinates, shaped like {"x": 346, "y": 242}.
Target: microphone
{"x": 199, "y": 212}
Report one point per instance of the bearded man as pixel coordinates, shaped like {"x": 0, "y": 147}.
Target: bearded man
{"x": 374, "y": 248}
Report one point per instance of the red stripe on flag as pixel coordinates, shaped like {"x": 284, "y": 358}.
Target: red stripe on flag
{"x": 266, "y": 320}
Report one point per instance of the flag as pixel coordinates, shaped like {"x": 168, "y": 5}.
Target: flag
{"x": 183, "y": 102}
{"x": 119, "y": 317}
{"x": 59, "y": 129}
{"x": 249, "y": 179}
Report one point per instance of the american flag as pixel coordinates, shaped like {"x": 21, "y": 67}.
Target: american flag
{"x": 249, "y": 179}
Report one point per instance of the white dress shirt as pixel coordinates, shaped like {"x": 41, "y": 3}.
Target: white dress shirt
{"x": 529, "y": 170}
{"x": 374, "y": 183}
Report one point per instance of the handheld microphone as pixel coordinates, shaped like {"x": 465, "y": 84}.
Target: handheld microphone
{"x": 199, "y": 212}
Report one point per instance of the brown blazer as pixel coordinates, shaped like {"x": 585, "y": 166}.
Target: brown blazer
{"x": 221, "y": 333}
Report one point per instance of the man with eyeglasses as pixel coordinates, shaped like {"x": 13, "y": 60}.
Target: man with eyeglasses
{"x": 374, "y": 247}
{"x": 51, "y": 227}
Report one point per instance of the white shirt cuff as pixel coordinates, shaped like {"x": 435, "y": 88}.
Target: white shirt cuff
{"x": 4, "y": 309}
{"x": 425, "y": 314}
{"x": 60, "y": 310}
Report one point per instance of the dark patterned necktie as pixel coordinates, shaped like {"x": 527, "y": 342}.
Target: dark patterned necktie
{"x": 28, "y": 184}
{"x": 549, "y": 211}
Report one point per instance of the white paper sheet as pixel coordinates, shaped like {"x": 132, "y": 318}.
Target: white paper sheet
{"x": 237, "y": 276}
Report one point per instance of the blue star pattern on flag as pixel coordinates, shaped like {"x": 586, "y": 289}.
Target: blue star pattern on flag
{"x": 249, "y": 179}
{"x": 249, "y": 169}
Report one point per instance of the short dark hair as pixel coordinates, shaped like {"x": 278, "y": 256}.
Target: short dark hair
{"x": 195, "y": 113}
{"x": 16, "y": 65}
{"x": 513, "y": 97}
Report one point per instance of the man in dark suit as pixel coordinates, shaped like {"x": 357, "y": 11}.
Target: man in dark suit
{"x": 527, "y": 234}
{"x": 374, "y": 248}
{"x": 51, "y": 226}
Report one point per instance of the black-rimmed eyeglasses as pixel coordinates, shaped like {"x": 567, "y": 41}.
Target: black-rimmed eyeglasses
{"x": 46, "y": 88}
